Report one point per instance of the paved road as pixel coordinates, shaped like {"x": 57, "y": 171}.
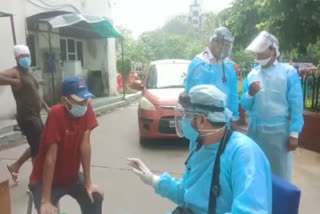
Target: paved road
{"x": 116, "y": 139}
{"x": 113, "y": 141}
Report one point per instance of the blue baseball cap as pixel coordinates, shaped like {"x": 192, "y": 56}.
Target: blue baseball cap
{"x": 76, "y": 88}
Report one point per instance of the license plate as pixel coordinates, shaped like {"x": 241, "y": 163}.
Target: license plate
{"x": 172, "y": 124}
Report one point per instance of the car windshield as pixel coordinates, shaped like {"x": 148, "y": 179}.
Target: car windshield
{"x": 169, "y": 75}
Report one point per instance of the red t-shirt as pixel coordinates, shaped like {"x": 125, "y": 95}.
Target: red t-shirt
{"x": 67, "y": 132}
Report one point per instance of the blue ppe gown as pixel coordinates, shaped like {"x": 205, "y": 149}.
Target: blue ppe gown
{"x": 201, "y": 72}
{"x": 245, "y": 179}
{"x": 275, "y": 113}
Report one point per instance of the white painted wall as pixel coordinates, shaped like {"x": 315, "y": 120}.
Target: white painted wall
{"x": 21, "y": 9}
{"x": 95, "y": 52}
{"x": 96, "y": 58}
{"x": 87, "y": 7}
{"x": 39, "y": 6}
{"x": 106, "y": 58}
{"x": 98, "y": 8}
{"x": 112, "y": 67}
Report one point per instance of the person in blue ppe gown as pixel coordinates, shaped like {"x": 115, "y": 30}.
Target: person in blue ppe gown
{"x": 245, "y": 176}
{"x": 214, "y": 67}
{"x": 272, "y": 96}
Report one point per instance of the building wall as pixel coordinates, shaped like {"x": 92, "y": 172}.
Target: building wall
{"x": 95, "y": 59}
{"x": 112, "y": 67}
{"x": 105, "y": 60}
{"x": 23, "y": 9}
{"x": 94, "y": 54}
{"x": 42, "y": 70}
{"x": 39, "y": 6}
{"x": 98, "y": 8}
{"x": 100, "y": 55}
{"x": 196, "y": 16}
{"x": 88, "y": 7}
{"x": 95, "y": 51}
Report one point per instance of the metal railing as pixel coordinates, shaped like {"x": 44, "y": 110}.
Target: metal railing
{"x": 311, "y": 89}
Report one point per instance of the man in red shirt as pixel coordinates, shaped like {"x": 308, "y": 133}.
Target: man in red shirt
{"x": 64, "y": 145}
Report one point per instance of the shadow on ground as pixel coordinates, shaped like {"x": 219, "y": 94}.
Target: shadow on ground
{"x": 165, "y": 144}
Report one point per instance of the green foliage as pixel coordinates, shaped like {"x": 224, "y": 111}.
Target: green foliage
{"x": 244, "y": 60}
{"x": 308, "y": 104}
{"x": 174, "y": 40}
{"x": 291, "y": 55}
{"x": 177, "y": 27}
{"x": 240, "y": 87}
{"x": 124, "y": 67}
{"x": 313, "y": 52}
{"x": 294, "y": 22}
{"x": 193, "y": 48}
{"x": 213, "y": 21}
{"x": 243, "y": 19}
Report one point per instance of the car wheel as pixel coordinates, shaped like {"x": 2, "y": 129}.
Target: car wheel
{"x": 142, "y": 141}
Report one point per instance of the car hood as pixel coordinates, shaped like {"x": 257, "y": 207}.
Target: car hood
{"x": 168, "y": 96}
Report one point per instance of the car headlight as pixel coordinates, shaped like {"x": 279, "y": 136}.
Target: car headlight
{"x": 145, "y": 104}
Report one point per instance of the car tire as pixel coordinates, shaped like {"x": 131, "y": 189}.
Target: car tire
{"x": 142, "y": 141}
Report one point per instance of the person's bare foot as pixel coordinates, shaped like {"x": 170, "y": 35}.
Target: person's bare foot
{"x": 14, "y": 173}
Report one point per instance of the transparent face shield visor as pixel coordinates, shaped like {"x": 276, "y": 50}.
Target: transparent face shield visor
{"x": 224, "y": 48}
{"x": 261, "y": 43}
{"x": 181, "y": 115}
{"x": 227, "y": 48}
{"x": 183, "y": 120}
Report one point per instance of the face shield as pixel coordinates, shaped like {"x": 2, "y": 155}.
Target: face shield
{"x": 184, "y": 123}
{"x": 206, "y": 100}
{"x": 223, "y": 43}
{"x": 184, "y": 116}
{"x": 179, "y": 114}
{"x": 262, "y": 42}
{"x": 223, "y": 49}
{"x": 183, "y": 120}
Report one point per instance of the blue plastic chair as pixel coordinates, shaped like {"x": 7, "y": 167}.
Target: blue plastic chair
{"x": 285, "y": 197}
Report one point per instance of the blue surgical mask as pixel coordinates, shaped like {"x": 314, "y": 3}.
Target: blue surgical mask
{"x": 189, "y": 132}
{"x": 25, "y": 62}
{"x": 78, "y": 110}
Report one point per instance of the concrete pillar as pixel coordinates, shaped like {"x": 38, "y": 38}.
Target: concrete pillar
{"x": 112, "y": 67}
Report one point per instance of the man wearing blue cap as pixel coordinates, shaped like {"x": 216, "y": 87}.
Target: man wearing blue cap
{"x": 65, "y": 144}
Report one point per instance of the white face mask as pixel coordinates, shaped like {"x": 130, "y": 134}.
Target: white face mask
{"x": 263, "y": 62}
{"x": 210, "y": 132}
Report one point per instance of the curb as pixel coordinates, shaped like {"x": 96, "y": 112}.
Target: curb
{"x": 124, "y": 102}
